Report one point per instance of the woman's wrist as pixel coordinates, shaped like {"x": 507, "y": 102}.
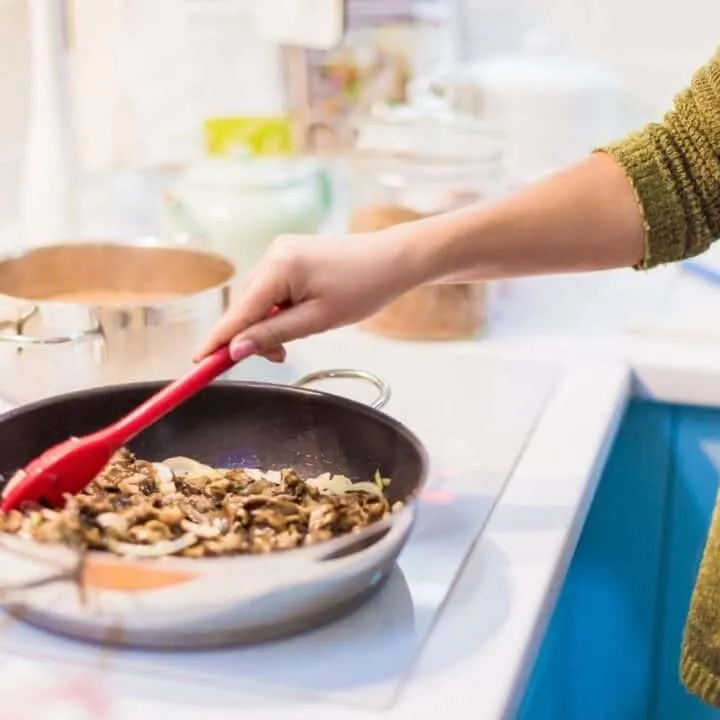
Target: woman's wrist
{"x": 583, "y": 218}
{"x": 435, "y": 249}
{"x": 424, "y": 251}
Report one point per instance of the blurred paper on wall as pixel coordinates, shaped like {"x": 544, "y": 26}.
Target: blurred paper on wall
{"x": 96, "y": 81}
{"x": 14, "y": 90}
{"x": 371, "y": 66}
{"x": 148, "y": 75}
{"x": 309, "y": 23}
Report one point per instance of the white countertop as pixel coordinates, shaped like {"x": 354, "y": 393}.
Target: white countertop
{"x": 480, "y": 654}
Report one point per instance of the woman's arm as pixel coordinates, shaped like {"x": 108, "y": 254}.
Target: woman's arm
{"x": 585, "y": 218}
{"x": 649, "y": 199}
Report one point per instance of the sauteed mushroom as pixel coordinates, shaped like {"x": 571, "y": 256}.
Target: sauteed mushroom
{"x": 182, "y": 507}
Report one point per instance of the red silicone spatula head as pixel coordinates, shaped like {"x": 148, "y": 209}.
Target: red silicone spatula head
{"x": 68, "y": 467}
{"x": 65, "y": 468}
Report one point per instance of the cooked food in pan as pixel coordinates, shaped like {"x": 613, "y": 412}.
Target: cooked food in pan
{"x": 184, "y": 508}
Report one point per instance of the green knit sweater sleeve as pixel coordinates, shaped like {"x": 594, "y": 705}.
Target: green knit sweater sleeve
{"x": 674, "y": 168}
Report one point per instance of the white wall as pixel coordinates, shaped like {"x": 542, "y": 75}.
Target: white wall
{"x": 654, "y": 44}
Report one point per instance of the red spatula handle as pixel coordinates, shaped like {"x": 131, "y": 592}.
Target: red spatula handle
{"x": 167, "y": 399}
{"x": 176, "y": 393}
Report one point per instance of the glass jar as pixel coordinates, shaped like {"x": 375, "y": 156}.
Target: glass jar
{"x": 238, "y": 205}
{"x": 413, "y": 162}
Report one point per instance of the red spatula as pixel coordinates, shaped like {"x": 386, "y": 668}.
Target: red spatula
{"x": 71, "y": 465}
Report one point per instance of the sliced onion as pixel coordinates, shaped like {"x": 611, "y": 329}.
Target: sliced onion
{"x": 340, "y": 484}
{"x": 187, "y": 466}
{"x": 112, "y": 521}
{"x": 203, "y": 530}
{"x": 160, "y": 549}
{"x": 335, "y": 485}
{"x": 163, "y": 473}
{"x": 366, "y": 486}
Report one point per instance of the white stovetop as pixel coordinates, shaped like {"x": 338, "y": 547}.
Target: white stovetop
{"x": 481, "y": 652}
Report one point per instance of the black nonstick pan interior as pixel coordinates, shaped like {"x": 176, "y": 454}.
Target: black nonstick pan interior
{"x": 233, "y": 424}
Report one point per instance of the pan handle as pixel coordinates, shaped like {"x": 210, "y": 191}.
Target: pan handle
{"x": 383, "y": 388}
{"x": 20, "y": 340}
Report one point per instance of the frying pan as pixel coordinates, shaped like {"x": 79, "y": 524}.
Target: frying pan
{"x": 208, "y": 602}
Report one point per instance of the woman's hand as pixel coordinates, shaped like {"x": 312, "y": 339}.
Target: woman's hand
{"x": 324, "y": 282}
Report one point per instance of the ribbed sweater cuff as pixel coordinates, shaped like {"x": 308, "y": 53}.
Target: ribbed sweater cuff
{"x": 699, "y": 680}
{"x": 655, "y": 195}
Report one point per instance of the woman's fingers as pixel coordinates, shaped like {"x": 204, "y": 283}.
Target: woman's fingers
{"x": 276, "y": 355}
{"x": 252, "y": 323}
{"x": 260, "y": 298}
{"x": 272, "y": 333}
{"x": 220, "y": 335}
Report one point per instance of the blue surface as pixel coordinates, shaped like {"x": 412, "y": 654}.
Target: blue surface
{"x": 612, "y": 648}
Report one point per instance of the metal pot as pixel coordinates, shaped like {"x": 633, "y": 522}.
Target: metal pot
{"x": 80, "y": 315}
{"x": 205, "y": 602}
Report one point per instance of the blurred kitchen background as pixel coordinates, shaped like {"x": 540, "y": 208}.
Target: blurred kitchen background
{"x": 225, "y": 122}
